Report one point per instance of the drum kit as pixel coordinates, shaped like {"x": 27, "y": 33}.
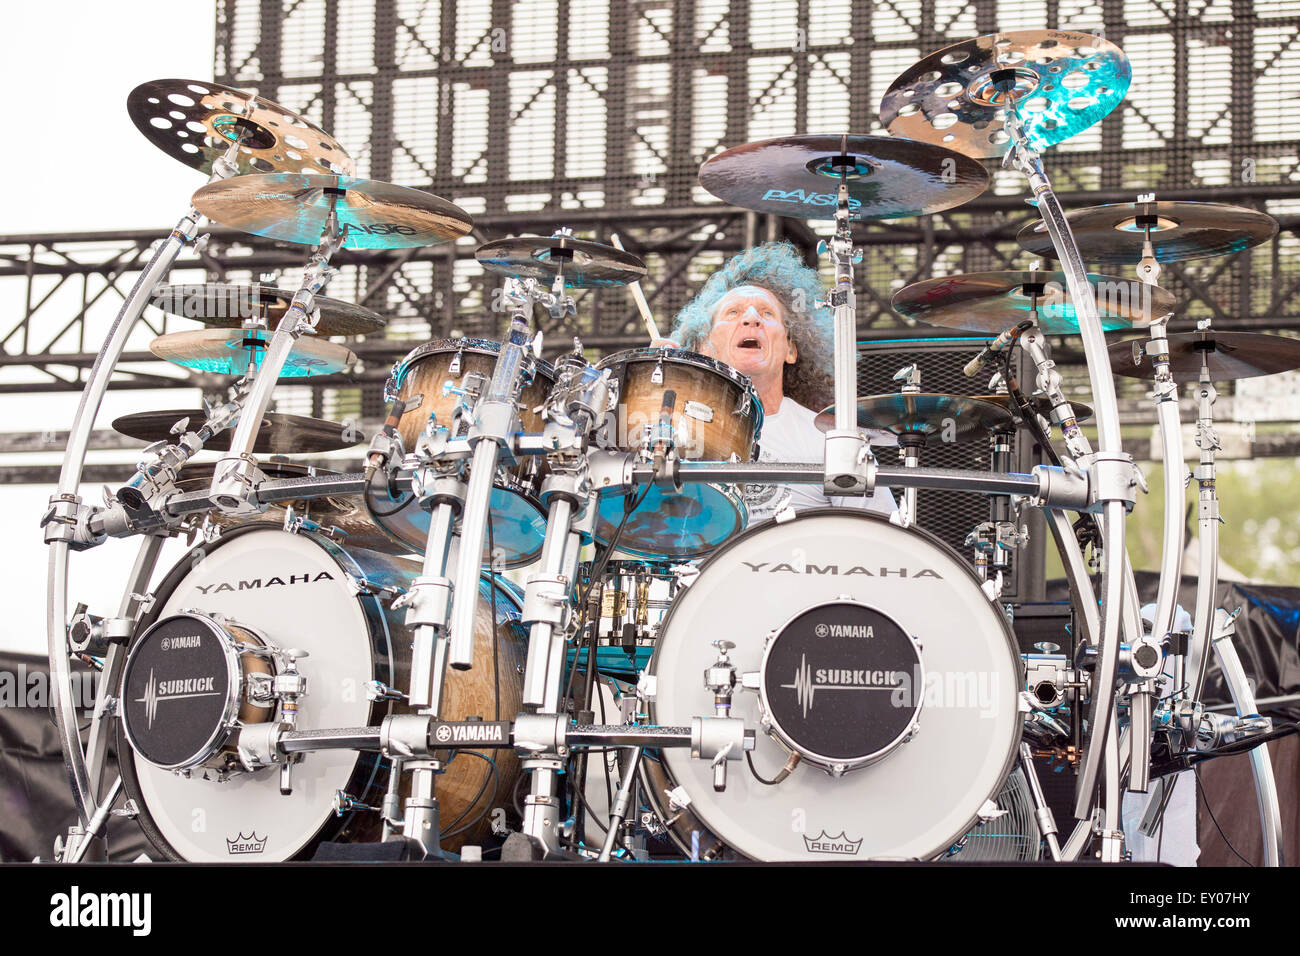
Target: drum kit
{"x": 339, "y": 660}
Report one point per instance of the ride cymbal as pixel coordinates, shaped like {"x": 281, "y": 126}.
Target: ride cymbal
{"x": 995, "y": 301}
{"x": 585, "y": 264}
{"x": 195, "y": 121}
{"x": 279, "y": 435}
{"x": 1178, "y": 230}
{"x": 799, "y": 176}
{"x": 295, "y": 207}
{"x": 230, "y": 305}
{"x": 1228, "y": 355}
{"x": 237, "y": 351}
{"x": 1059, "y": 82}
{"x": 956, "y": 417}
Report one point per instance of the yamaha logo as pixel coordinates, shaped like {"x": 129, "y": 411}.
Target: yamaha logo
{"x": 766, "y": 567}
{"x": 256, "y": 583}
{"x": 442, "y": 734}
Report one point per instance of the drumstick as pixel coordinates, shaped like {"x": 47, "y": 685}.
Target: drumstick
{"x": 639, "y": 296}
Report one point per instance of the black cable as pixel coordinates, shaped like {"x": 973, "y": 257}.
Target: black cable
{"x": 757, "y": 776}
{"x": 494, "y": 778}
{"x": 380, "y": 513}
{"x": 1201, "y": 790}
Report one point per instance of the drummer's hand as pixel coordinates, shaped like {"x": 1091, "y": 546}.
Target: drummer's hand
{"x": 664, "y": 344}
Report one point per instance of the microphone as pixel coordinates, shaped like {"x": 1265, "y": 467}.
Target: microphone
{"x": 1005, "y": 338}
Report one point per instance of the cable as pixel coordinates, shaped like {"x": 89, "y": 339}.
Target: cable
{"x": 749, "y": 759}
{"x": 380, "y": 513}
{"x": 1201, "y": 790}
{"x": 494, "y": 776}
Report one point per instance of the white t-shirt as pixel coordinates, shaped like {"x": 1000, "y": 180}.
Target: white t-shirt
{"x": 791, "y": 434}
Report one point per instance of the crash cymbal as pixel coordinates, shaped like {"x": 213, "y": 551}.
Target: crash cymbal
{"x": 1178, "y": 230}
{"x": 799, "y": 176}
{"x": 585, "y": 264}
{"x": 1041, "y": 406}
{"x": 229, "y": 306}
{"x": 195, "y": 121}
{"x": 995, "y": 301}
{"x": 236, "y": 351}
{"x": 956, "y": 417}
{"x": 279, "y": 435}
{"x": 1229, "y": 355}
{"x": 295, "y": 208}
{"x": 1059, "y": 82}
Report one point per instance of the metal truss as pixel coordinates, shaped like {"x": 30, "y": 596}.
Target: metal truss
{"x": 596, "y": 114}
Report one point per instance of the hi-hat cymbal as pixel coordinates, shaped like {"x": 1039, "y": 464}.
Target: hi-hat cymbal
{"x": 585, "y": 264}
{"x": 995, "y": 301}
{"x": 236, "y": 351}
{"x": 1228, "y": 355}
{"x": 279, "y": 435}
{"x": 1178, "y": 230}
{"x": 296, "y": 207}
{"x": 195, "y": 121}
{"x": 799, "y": 176}
{"x": 1060, "y": 83}
{"x": 955, "y": 417}
{"x": 230, "y": 305}
{"x": 1041, "y": 405}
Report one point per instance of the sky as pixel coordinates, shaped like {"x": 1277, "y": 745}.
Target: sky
{"x": 81, "y": 165}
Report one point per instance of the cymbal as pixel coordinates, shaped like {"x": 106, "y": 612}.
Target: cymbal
{"x": 1060, "y": 83}
{"x": 799, "y": 176}
{"x": 195, "y": 121}
{"x": 995, "y": 301}
{"x": 1178, "y": 230}
{"x": 279, "y": 435}
{"x": 229, "y": 305}
{"x": 235, "y": 351}
{"x": 1041, "y": 405}
{"x": 1229, "y": 355}
{"x": 957, "y": 417}
{"x": 585, "y": 264}
{"x": 295, "y": 208}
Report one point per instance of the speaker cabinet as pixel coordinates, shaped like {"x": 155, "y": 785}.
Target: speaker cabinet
{"x": 948, "y": 514}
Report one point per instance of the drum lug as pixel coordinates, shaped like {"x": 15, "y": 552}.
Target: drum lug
{"x": 364, "y": 586}
{"x": 647, "y": 686}
{"x": 751, "y": 680}
{"x": 990, "y": 811}
{"x": 678, "y": 799}
{"x": 129, "y": 810}
{"x": 657, "y": 376}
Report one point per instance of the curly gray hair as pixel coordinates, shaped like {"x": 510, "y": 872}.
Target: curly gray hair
{"x": 774, "y": 266}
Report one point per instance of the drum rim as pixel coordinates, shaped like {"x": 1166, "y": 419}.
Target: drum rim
{"x": 401, "y": 368}
{"x": 503, "y": 481}
{"x": 234, "y": 677}
{"x": 852, "y": 514}
{"x": 728, "y": 489}
{"x": 364, "y": 774}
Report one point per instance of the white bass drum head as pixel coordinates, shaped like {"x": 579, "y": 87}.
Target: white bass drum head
{"x": 920, "y": 797}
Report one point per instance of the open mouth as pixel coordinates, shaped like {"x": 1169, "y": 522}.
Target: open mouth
{"x": 749, "y": 342}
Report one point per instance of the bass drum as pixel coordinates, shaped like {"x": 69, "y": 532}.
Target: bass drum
{"x": 300, "y": 591}
{"x": 875, "y": 657}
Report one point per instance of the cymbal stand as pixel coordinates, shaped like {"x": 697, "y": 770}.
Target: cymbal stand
{"x": 850, "y": 464}
{"x": 577, "y": 406}
{"x": 438, "y": 483}
{"x": 236, "y": 474}
{"x": 1114, "y": 472}
{"x": 67, "y": 518}
{"x": 995, "y": 540}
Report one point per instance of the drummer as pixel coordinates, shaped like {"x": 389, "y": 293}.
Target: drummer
{"x": 759, "y": 314}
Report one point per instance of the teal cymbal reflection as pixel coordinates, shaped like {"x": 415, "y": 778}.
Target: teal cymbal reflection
{"x": 237, "y": 351}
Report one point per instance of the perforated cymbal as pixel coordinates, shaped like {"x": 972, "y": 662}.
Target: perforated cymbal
{"x": 1060, "y": 82}
{"x": 195, "y": 121}
{"x": 956, "y": 417}
{"x": 229, "y": 305}
{"x": 1227, "y": 355}
{"x": 799, "y": 176}
{"x": 585, "y": 264}
{"x": 994, "y": 301}
{"x": 235, "y": 351}
{"x": 295, "y": 208}
{"x": 279, "y": 435}
{"x": 1179, "y": 230}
